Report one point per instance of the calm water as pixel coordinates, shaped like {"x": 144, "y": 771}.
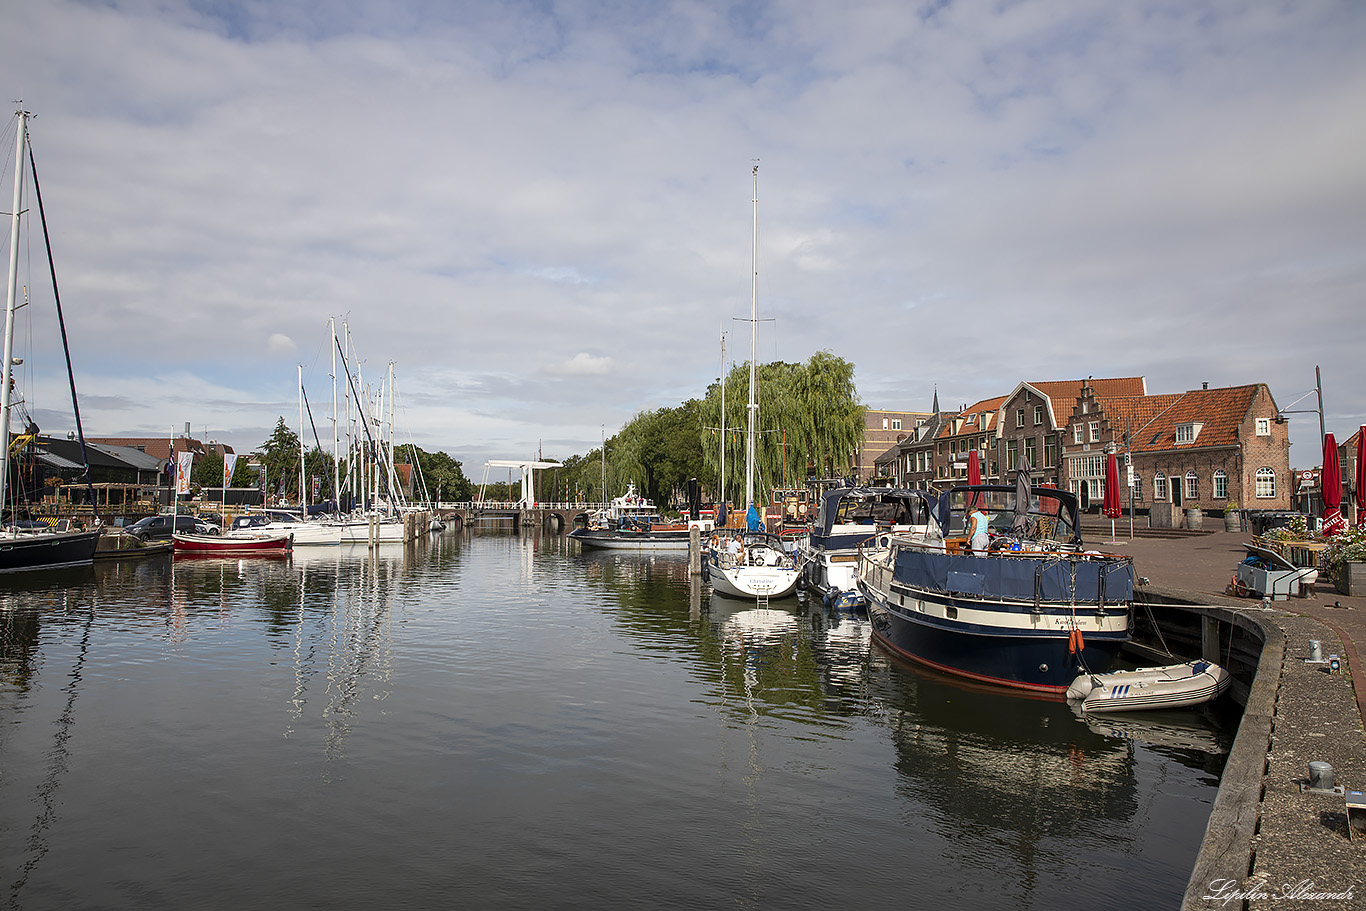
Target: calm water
{"x": 491, "y": 721}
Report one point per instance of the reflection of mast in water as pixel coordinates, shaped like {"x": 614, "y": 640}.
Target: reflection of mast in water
{"x": 361, "y": 643}
{"x": 60, "y": 756}
{"x": 747, "y": 635}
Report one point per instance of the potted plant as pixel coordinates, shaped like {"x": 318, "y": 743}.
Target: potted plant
{"x": 1345, "y": 560}
{"x": 1232, "y": 521}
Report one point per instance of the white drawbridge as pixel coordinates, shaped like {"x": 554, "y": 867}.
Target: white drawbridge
{"x": 528, "y": 489}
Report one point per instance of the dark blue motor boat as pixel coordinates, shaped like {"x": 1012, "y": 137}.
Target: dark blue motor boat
{"x": 1032, "y": 611}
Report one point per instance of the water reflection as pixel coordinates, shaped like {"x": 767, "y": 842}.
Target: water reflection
{"x": 519, "y": 719}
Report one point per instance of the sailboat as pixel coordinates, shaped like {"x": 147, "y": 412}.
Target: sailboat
{"x": 750, "y": 562}
{"x": 40, "y": 546}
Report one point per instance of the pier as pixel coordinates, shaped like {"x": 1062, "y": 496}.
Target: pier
{"x": 1272, "y": 841}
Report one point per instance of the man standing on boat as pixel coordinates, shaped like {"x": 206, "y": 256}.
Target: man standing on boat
{"x": 977, "y": 529}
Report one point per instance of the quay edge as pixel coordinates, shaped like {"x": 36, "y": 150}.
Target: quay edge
{"x": 1266, "y": 839}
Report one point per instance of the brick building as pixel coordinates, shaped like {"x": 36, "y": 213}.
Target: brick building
{"x": 1201, "y": 449}
{"x": 1205, "y": 448}
{"x": 882, "y": 430}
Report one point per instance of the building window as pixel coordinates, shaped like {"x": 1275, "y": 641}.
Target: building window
{"x": 896, "y": 423}
{"x": 1095, "y": 431}
{"x": 1220, "y": 484}
{"x": 1050, "y": 451}
{"x": 1136, "y": 489}
{"x": 1085, "y": 406}
{"x": 1160, "y": 487}
{"x": 1186, "y": 433}
{"x": 884, "y": 423}
{"x": 1019, "y": 417}
{"x": 1038, "y": 415}
{"x": 1012, "y": 454}
{"x": 1266, "y": 483}
{"x": 1263, "y": 427}
{"x": 1192, "y": 485}
{"x": 1076, "y": 433}
{"x": 1031, "y": 454}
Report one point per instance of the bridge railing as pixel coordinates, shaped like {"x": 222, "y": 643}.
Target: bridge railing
{"x": 513, "y": 504}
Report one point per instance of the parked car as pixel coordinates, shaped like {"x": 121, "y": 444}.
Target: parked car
{"x": 158, "y": 528}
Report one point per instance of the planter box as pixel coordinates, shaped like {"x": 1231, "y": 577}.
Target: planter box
{"x": 1352, "y": 579}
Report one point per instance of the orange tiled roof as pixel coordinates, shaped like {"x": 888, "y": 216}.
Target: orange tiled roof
{"x": 1154, "y": 418}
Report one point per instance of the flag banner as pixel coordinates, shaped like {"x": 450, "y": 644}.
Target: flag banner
{"x": 261, "y": 479}
{"x": 229, "y": 463}
{"x": 184, "y": 465}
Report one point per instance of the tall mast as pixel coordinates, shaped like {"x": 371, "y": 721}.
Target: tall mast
{"x": 336, "y": 450}
{"x": 20, "y": 138}
{"x": 753, "y": 350}
{"x": 722, "y": 494}
{"x": 303, "y": 496}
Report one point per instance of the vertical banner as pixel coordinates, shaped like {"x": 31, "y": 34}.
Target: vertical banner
{"x": 184, "y": 465}
{"x": 229, "y": 463}
{"x": 317, "y": 487}
{"x": 261, "y": 479}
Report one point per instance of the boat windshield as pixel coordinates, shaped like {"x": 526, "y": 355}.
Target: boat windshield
{"x": 1047, "y": 516}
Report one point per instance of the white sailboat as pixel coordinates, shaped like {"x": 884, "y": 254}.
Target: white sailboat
{"x": 39, "y": 546}
{"x": 750, "y": 563}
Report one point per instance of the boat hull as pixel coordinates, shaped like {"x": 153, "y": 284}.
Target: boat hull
{"x": 1013, "y": 642}
{"x": 215, "y": 546}
{"x": 24, "y": 552}
{"x": 748, "y": 580}
{"x": 1173, "y": 686}
{"x": 615, "y": 539}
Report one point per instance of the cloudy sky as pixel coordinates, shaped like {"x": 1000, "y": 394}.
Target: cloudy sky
{"x": 540, "y": 211}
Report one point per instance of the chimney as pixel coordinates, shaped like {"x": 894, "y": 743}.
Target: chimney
{"x": 1204, "y": 385}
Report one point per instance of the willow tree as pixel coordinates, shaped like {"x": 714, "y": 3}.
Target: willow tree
{"x": 809, "y": 420}
{"x": 659, "y": 450}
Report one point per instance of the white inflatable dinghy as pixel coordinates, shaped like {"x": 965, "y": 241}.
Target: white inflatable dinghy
{"x": 1174, "y": 686}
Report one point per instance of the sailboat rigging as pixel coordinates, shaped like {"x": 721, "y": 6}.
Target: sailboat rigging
{"x": 36, "y": 546}
{"x": 750, "y": 562}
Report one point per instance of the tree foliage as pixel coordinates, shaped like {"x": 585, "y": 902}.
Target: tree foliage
{"x": 809, "y": 422}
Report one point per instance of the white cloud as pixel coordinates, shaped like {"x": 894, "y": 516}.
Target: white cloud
{"x": 582, "y": 364}
{"x": 1166, "y": 188}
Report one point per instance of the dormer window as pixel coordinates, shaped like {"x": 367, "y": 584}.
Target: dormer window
{"x": 1186, "y": 433}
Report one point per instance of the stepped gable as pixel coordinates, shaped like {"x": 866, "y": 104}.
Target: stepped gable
{"x": 1064, "y": 393}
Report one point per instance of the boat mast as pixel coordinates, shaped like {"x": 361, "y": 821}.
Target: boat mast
{"x": 753, "y": 352}
{"x": 20, "y": 138}
{"x": 303, "y": 497}
{"x": 722, "y": 494}
{"x": 336, "y": 450}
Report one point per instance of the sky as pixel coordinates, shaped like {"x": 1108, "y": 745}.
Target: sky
{"x": 541, "y": 212}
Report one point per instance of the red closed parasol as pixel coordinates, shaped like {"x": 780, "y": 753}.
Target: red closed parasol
{"x": 1361, "y": 476}
{"x": 974, "y": 474}
{"x": 1111, "y": 505}
{"x": 1331, "y": 482}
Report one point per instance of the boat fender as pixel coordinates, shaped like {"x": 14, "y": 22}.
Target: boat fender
{"x": 1075, "y": 642}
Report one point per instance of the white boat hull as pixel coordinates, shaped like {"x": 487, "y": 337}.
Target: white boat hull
{"x": 1173, "y": 686}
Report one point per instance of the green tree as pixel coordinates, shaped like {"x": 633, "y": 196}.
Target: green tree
{"x": 809, "y": 420}
{"x": 443, "y": 476}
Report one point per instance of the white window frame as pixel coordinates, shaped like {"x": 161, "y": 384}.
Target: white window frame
{"x": 1192, "y": 485}
{"x": 1077, "y": 433}
{"x": 1094, "y": 427}
{"x": 1266, "y": 483}
{"x": 1263, "y": 427}
{"x": 1038, "y": 415}
{"x": 1159, "y": 488}
{"x": 1220, "y": 484}
{"x": 896, "y": 423}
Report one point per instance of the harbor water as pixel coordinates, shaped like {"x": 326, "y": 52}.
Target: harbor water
{"x": 497, "y": 721}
